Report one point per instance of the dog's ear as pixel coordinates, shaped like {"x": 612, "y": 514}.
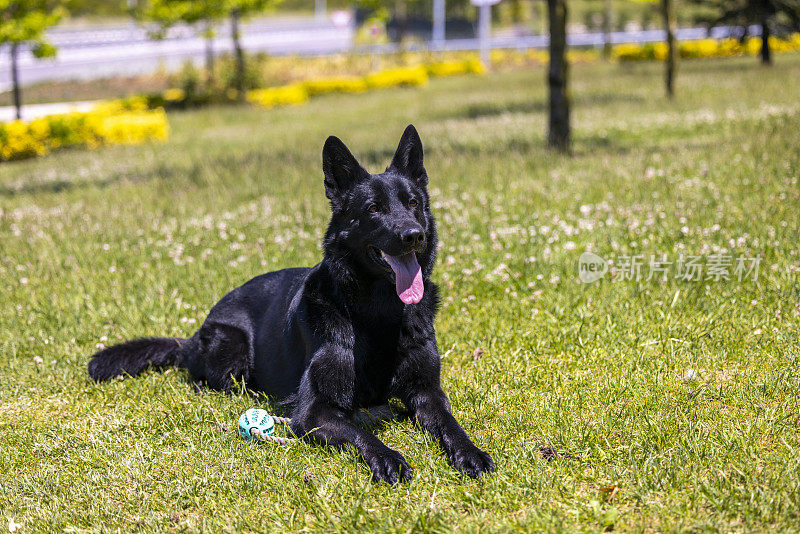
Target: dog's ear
{"x": 408, "y": 158}
{"x": 341, "y": 169}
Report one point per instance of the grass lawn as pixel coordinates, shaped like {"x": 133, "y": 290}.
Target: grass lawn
{"x": 673, "y": 404}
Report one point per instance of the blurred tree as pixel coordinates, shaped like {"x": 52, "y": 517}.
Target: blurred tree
{"x": 607, "y": 14}
{"x": 559, "y": 128}
{"x": 238, "y": 9}
{"x": 521, "y": 10}
{"x": 762, "y": 12}
{"x": 668, "y": 15}
{"x": 401, "y": 13}
{"x": 24, "y": 22}
{"x": 667, "y": 9}
{"x": 95, "y": 8}
{"x": 510, "y": 12}
{"x": 167, "y": 13}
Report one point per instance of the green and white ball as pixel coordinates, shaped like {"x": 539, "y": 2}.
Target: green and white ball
{"x": 258, "y": 419}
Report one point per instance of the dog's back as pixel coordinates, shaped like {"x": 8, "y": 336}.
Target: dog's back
{"x": 258, "y": 318}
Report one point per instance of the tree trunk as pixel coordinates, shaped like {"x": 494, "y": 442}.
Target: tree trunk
{"x": 17, "y": 90}
{"x": 239, "y": 77}
{"x": 209, "y": 56}
{"x": 402, "y": 19}
{"x": 559, "y": 130}
{"x": 668, "y": 14}
{"x": 607, "y": 29}
{"x": 766, "y": 53}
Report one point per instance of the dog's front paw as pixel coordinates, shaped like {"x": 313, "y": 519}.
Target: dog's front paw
{"x": 389, "y": 466}
{"x": 472, "y": 461}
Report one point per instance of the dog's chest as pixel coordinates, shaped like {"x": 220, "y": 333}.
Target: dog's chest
{"x": 376, "y": 359}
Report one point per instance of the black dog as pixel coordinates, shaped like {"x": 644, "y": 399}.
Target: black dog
{"x": 351, "y": 332}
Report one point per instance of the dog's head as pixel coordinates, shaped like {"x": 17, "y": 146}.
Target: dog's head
{"x": 382, "y": 222}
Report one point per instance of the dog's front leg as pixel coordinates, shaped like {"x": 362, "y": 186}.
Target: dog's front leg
{"x": 323, "y": 414}
{"x": 418, "y": 386}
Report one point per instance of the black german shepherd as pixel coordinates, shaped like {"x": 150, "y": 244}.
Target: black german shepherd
{"x": 351, "y": 332}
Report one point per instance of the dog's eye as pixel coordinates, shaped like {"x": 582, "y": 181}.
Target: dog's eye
{"x": 373, "y": 208}
{"x": 412, "y": 203}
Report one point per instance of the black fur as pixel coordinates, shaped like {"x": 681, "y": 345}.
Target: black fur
{"x": 134, "y": 357}
{"x": 335, "y": 337}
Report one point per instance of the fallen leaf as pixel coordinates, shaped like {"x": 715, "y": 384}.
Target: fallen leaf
{"x": 609, "y": 492}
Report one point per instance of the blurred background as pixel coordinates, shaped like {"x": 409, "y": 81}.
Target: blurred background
{"x": 76, "y": 50}
{"x": 169, "y": 150}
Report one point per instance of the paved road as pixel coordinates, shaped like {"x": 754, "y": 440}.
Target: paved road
{"x": 32, "y": 111}
{"x": 105, "y": 51}
{"x": 579, "y": 39}
{"x": 112, "y": 50}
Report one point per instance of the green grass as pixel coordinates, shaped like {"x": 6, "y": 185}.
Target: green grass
{"x": 128, "y": 241}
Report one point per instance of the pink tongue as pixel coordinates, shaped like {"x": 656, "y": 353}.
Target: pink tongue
{"x": 407, "y": 276}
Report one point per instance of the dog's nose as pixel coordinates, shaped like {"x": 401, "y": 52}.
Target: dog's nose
{"x": 413, "y": 237}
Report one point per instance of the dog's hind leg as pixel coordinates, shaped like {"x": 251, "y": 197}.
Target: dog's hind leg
{"x": 223, "y": 356}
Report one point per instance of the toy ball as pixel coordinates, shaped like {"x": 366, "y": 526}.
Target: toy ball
{"x": 258, "y": 419}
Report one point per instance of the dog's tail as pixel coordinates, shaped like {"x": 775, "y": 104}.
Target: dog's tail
{"x": 134, "y": 357}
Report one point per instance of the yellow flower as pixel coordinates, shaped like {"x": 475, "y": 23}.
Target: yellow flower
{"x": 174, "y": 95}
{"x": 293, "y": 94}
{"x": 110, "y": 122}
{"x": 405, "y": 76}
{"x": 343, "y": 84}
{"x": 450, "y": 68}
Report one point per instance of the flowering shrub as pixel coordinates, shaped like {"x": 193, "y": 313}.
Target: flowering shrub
{"x": 535, "y": 56}
{"x": 116, "y": 122}
{"x": 133, "y": 127}
{"x": 292, "y": 94}
{"x": 350, "y": 74}
{"x": 298, "y": 93}
{"x": 451, "y": 68}
{"x": 404, "y": 76}
{"x": 20, "y": 139}
{"x": 700, "y": 48}
{"x": 343, "y": 84}
{"x": 174, "y": 95}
